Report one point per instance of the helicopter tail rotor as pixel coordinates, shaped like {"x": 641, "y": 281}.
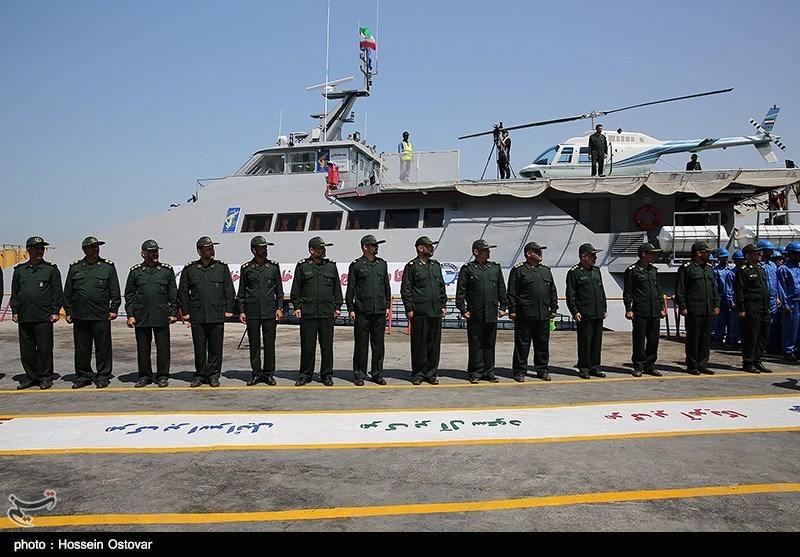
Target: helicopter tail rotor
{"x": 765, "y": 129}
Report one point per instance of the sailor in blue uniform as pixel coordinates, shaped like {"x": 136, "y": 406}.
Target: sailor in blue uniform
{"x": 723, "y": 279}
{"x": 789, "y": 281}
{"x": 734, "y": 330}
{"x": 767, "y": 248}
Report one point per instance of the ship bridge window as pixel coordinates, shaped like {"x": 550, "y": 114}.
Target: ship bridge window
{"x": 257, "y": 223}
{"x": 303, "y": 161}
{"x": 583, "y": 156}
{"x": 546, "y": 157}
{"x": 267, "y": 164}
{"x": 401, "y": 218}
{"x": 290, "y": 222}
{"x": 566, "y": 155}
{"x": 433, "y": 218}
{"x": 329, "y": 220}
{"x": 364, "y": 220}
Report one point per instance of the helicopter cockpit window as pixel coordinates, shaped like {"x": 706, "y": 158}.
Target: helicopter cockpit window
{"x": 566, "y": 155}
{"x": 583, "y": 156}
{"x": 546, "y": 157}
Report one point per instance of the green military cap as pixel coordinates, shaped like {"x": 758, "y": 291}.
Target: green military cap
{"x": 317, "y": 242}
{"x": 588, "y": 248}
{"x": 260, "y": 241}
{"x": 35, "y": 241}
{"x": 424, "y": 241}
{"x": 205, "y": 241}
{"x": 700, "y": 246}
{"x": 482, "y": 244}
{"x": 90, "y": 241}
{"x": 533, "y": 246}
{"x": 750, "y": 248}
{"x": 150, "y": 244}
{"x": 648, "y": 248}
{"x": 370, "y": 240}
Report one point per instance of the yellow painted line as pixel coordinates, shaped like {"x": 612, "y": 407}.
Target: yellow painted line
{"x": 408, "y": 444}
{"x": 394, "y": 410}
{"x": 406, "y": 510}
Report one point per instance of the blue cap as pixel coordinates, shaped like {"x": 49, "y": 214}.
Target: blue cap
{"x": 765, "y": 244}
{"x": 722, "y": 252}
{"x": 793, "y": 246}
{"x": 738, "y": 254}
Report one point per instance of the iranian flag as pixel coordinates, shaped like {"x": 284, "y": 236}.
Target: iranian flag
{"x": 367, "y": 40}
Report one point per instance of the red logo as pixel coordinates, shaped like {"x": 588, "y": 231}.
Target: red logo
{"x": 398, "y": 275}
{"x": 343, "y": 279}
{"x": 286, "y": 276}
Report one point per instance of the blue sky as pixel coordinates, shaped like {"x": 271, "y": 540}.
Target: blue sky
{"x": 112, "y": 110}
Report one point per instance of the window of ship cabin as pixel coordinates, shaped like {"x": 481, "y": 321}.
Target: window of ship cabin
{"x": 303, "y": 161}
{"x": 401, "y": 218}
{"x": 364, "y": 220}
{"x": 267, "y": 164}
{"x": 546, "y": 157}
{"x": 290, "y": 222}
{"x": 326, "y": 221}
{"x": 566, "y": 155}
{"x": 583, "y": 155}
{"x": 257, "y": 223}
{"x": 433, "y": 218}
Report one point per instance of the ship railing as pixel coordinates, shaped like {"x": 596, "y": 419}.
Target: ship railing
{"x": 425, "y": 167}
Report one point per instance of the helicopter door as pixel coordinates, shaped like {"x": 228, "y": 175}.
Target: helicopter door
{"x": 565, "y": 156}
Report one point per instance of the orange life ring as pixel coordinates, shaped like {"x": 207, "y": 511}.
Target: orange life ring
{"x": 655, "y": 222}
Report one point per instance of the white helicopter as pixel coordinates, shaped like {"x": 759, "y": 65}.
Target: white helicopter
{"x": 632, "y": 153}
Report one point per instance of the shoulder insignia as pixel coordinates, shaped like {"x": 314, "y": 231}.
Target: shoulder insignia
{"x": 687, "y": 264}
{"x": 108, "y": 261}
{"x": 245, "y": 265}
{"x": 355, "y": 260}
{"x": 518, "y": 265}
{"x": 189, "y": 264}
{"x": 411, "y": 262}
{"x": 274, "y": 262}
{"x": 301, "y": 261}
{"x": 632, "y": 267}
{"x": 75, "y": 262}
{"x": 575, "y": 268}
{"x": 222, "y": 262}
{"x": 134, "y": 267}
{"x": 167, "y": 265}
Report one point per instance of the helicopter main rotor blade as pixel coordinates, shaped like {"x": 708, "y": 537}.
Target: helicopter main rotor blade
{"x": 667, "y": 100}
{"x": 542, "y": 123}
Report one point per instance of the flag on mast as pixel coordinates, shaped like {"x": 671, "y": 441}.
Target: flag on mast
{"x": 367, "y": 40}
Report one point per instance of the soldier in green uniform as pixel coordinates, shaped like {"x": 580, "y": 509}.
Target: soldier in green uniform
{"x": 151, "y": 304}
{"x": 261, "y": 307}
{"x": 598, "y": 150}
{"x": 752, "y": 301}
{"x": 206, "y": 298}
{"x": 316, "y": 297}
{"x": 698, "y": 302}
{"x": 532, "y": 303}
{"x": 424, "y": 298}
{"x": 91, "y": 302}
{"x": 481, "y": 299}
{"x": 36, "y": 300}
{"x": 644, "y": 306}
{"x": 586, "y": 300}
{"x": 368, "y": 299}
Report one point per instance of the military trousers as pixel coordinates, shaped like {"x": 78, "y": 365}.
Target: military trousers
{"x": 207, "y": 339}
{"x": 258, "y": 329}
{"x": 144, "y": 345}
{"x": 311, "y": 330}
{"x": 426, "y": 340}
{"x": 86, "y": 332}
{"x": 755, "y": 332}
{"x": 698, "y": 340}
{"x": 527, "y": 331}
{"x": 36, "y": 350}
{"x": 597, "y": 165}
{"x": 590, "y": 344}
{"x": 368, "y": 333}
{"x": 481, "y": 340}
{"x": 790, "y": 328}
{"x": 646, "y": 331}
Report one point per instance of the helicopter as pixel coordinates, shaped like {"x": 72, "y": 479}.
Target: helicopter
{"x": 633, "y": 153}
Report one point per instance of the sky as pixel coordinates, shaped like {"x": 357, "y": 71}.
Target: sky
{"x": 110, "y": 111}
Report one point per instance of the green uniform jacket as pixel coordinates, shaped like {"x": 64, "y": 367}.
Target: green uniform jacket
{"x": 316, "y": 290}
{"x": 422, "y": 288}
{"x": 532, "y": 291}
{"x": 481, "y": 291}
{"x": 368, "y": 291}
{"x": 91, "y": 292}
{"x": 642, "y": 294}
{"x": 206, "y": 293}
{"x": 36, "y": 292}
{"x": 585, "y": 292}
{"x": 260, "y": 289}
{"x": 598, "y": 145}
{"x": 752, "y": 292}
{"x": 151, "y": 295}
{"x": 695, "y": 290}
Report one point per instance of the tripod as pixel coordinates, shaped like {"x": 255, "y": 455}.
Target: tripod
{"x": 496, "y": 145}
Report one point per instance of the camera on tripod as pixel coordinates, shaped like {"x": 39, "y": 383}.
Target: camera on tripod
{"x": 496, "y": 130}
